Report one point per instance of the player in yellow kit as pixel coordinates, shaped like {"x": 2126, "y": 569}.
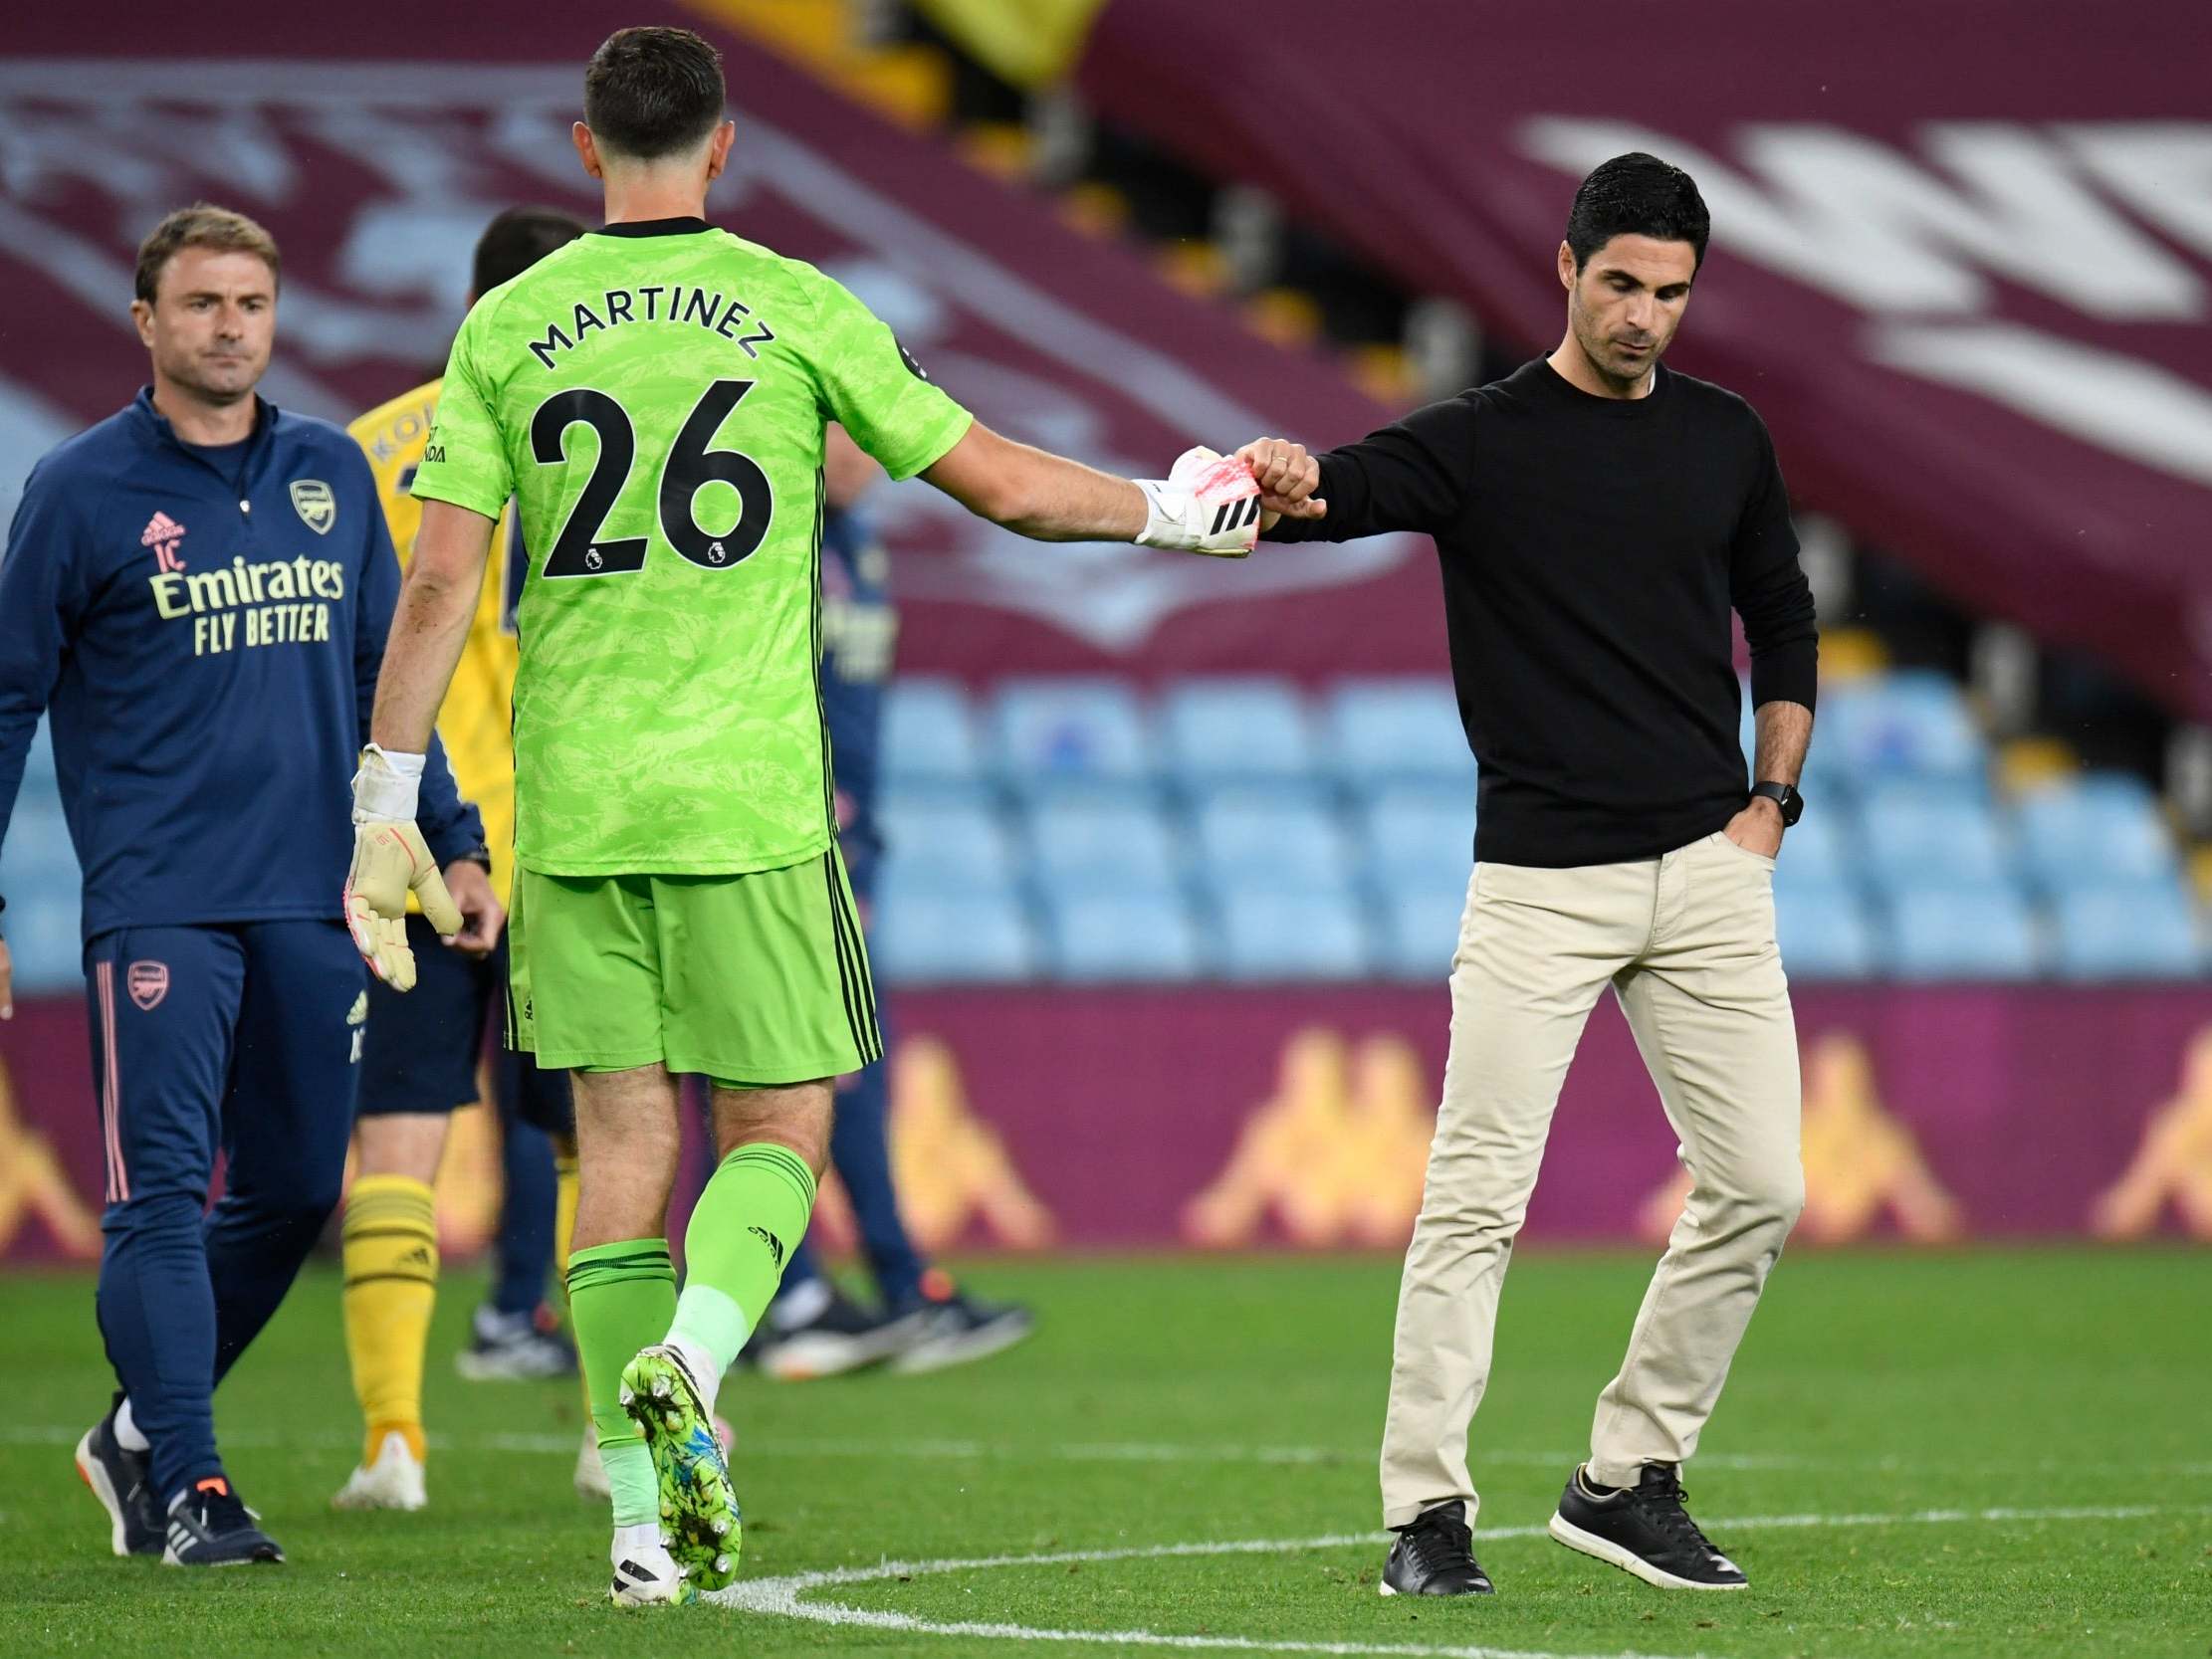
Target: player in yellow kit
{"x": 419, "y": 1058}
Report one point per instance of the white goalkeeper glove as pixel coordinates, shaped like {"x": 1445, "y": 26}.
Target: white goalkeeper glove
{"x": 389, "y": 862}
{"x": 1207, "y": 504}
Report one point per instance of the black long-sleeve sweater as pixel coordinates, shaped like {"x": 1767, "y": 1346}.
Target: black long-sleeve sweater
{"x": 1592, "y": 550}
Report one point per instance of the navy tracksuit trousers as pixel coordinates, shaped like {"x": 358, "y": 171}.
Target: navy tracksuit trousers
{"x": 241, "y": 1038}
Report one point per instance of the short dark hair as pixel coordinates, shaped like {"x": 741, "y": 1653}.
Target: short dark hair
{"x": 202, "y": 225}
{"x": 1636, "y": 195}
{"x": 650, "y": 93}
{"x": 516, "y": 240}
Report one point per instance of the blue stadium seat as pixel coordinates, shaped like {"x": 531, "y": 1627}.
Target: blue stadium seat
{"x": 929, "y": 734}
{"x": 1092, "y": 843}
{"x": 1385, "y": 730}
{"x": 935, "y": 938}
{"x": 1129, "y": 937}
{"x": 1310, "y": 793}
{"x": 1312, "y": 936}
{"x": 1418, "y": 835}
{"x": 1932, "y": 834}
{"x": 38, "y": 760}
{"x": 949, "y": 845}
{"x": 1820, "y": 851}
{"x": 1962, "y": 933}
{"x": 39, "y": 857}
{"x": 1235, "y": 731}
{"x": 1823, "y": 929}
{"x": 1420, "y": 929}
{"x": 1059, "y": 730}
{"x": 1913, "y": 723}
{"x": 1826, "y": 778}
{"x": 45, "y": 941}
{"x": 2105, "y": 829}
{"x": 1258, "y": 844}
{"x": 2126, "y": 930}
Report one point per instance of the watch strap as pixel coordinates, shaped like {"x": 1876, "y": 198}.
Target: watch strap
{"x": 1785, "y": 797}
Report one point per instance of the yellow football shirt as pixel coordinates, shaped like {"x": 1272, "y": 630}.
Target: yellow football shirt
{"x": 476, "y": 721}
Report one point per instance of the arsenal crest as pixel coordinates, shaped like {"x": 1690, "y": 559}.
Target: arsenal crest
{"x": 317, "y": 507}
{"x": 148, "y": 983}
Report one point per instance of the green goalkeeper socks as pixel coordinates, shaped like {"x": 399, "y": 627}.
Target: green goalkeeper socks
{"x": 749, "y": 1220}
{"x": 621, "y": 1298}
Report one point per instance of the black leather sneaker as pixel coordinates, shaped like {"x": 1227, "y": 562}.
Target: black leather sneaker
{"x": 1435, "y": 1556}
{"x": 210, "y": 1527}
{"x": 1644, "y": 1530}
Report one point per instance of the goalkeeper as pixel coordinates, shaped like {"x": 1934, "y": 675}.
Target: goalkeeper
{"x": 653, "y": 397}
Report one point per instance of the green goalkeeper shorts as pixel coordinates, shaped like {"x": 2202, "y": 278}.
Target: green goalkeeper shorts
{"x": 753, "y": 980}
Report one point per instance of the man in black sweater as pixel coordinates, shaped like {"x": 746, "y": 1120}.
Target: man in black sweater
{"x": 1598, "y": 515}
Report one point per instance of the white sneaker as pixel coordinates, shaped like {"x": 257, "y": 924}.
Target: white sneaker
{"x": 394, "y": 1481}
{"x": 646, "y": 1575}
{"x": 592, "y": 1474}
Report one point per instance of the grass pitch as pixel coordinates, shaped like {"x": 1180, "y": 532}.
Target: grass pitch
{"x": 2003, "y": 1454}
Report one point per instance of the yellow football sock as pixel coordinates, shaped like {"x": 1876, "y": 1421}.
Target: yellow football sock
{"x": 391, "y": 1284}
{"x": 564, "y": 1232}
{"x": 564, "y": 1201}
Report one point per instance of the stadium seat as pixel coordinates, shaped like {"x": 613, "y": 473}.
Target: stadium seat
{"x": 1052, "y": 731}
{"x": 1826, "y": 778}
{"x": 929, "y": 734}
{"x": 1824, "y": 932}
{"x": 1252, "y": 843}
{"x": 1417, "y": 835}
{"x": 1385, "y": 730}
{"x": 44, "y": 942}
{"x": 1310, "y": 793}
{"x": 1235, "y": 731}
{"x": 39, "y": 874}
{"x": 1819, "y": 851}
{"x": 1930, "y": 834}
{"x": 1420, "y": 929}
{"x": 38, "y": 760}
{"x": 929, "y": 939}
{"x": 946, "y": 844}
{"x": 1092, "y": 843}
{"x": 1962, "y": 933}
{"x": 2102, "y": 830}
{"x": 1131, "y": 936}
{"x": 2142, "y": 929}
{"x": 39, "y": 856}
{"x": 1913, "y": 723}
{"x": 1270, "y": 936}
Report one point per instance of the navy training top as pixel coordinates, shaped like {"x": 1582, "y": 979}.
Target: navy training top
{"x": 206, "y": 625}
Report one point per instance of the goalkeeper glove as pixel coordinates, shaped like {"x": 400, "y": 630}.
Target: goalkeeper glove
{"x": 389, "y": 862}
{"x": 1207, "y": 504}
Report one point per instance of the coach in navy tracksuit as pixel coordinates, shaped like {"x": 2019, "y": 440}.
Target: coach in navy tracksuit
{"x": 199, "y": 587}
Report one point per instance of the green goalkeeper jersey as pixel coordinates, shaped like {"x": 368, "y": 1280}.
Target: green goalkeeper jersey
{"x": 652, "y": 397}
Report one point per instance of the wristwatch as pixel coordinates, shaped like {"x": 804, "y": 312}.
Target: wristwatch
{"x": 1784, "y": 796}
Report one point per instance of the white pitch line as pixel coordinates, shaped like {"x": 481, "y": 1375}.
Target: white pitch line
{"x": 1129, "y": 1451}
{"x": 780, "y": 1596}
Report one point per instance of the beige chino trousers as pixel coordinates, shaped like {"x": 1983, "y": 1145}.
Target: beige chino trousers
{"x": 1686, "y": 941}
